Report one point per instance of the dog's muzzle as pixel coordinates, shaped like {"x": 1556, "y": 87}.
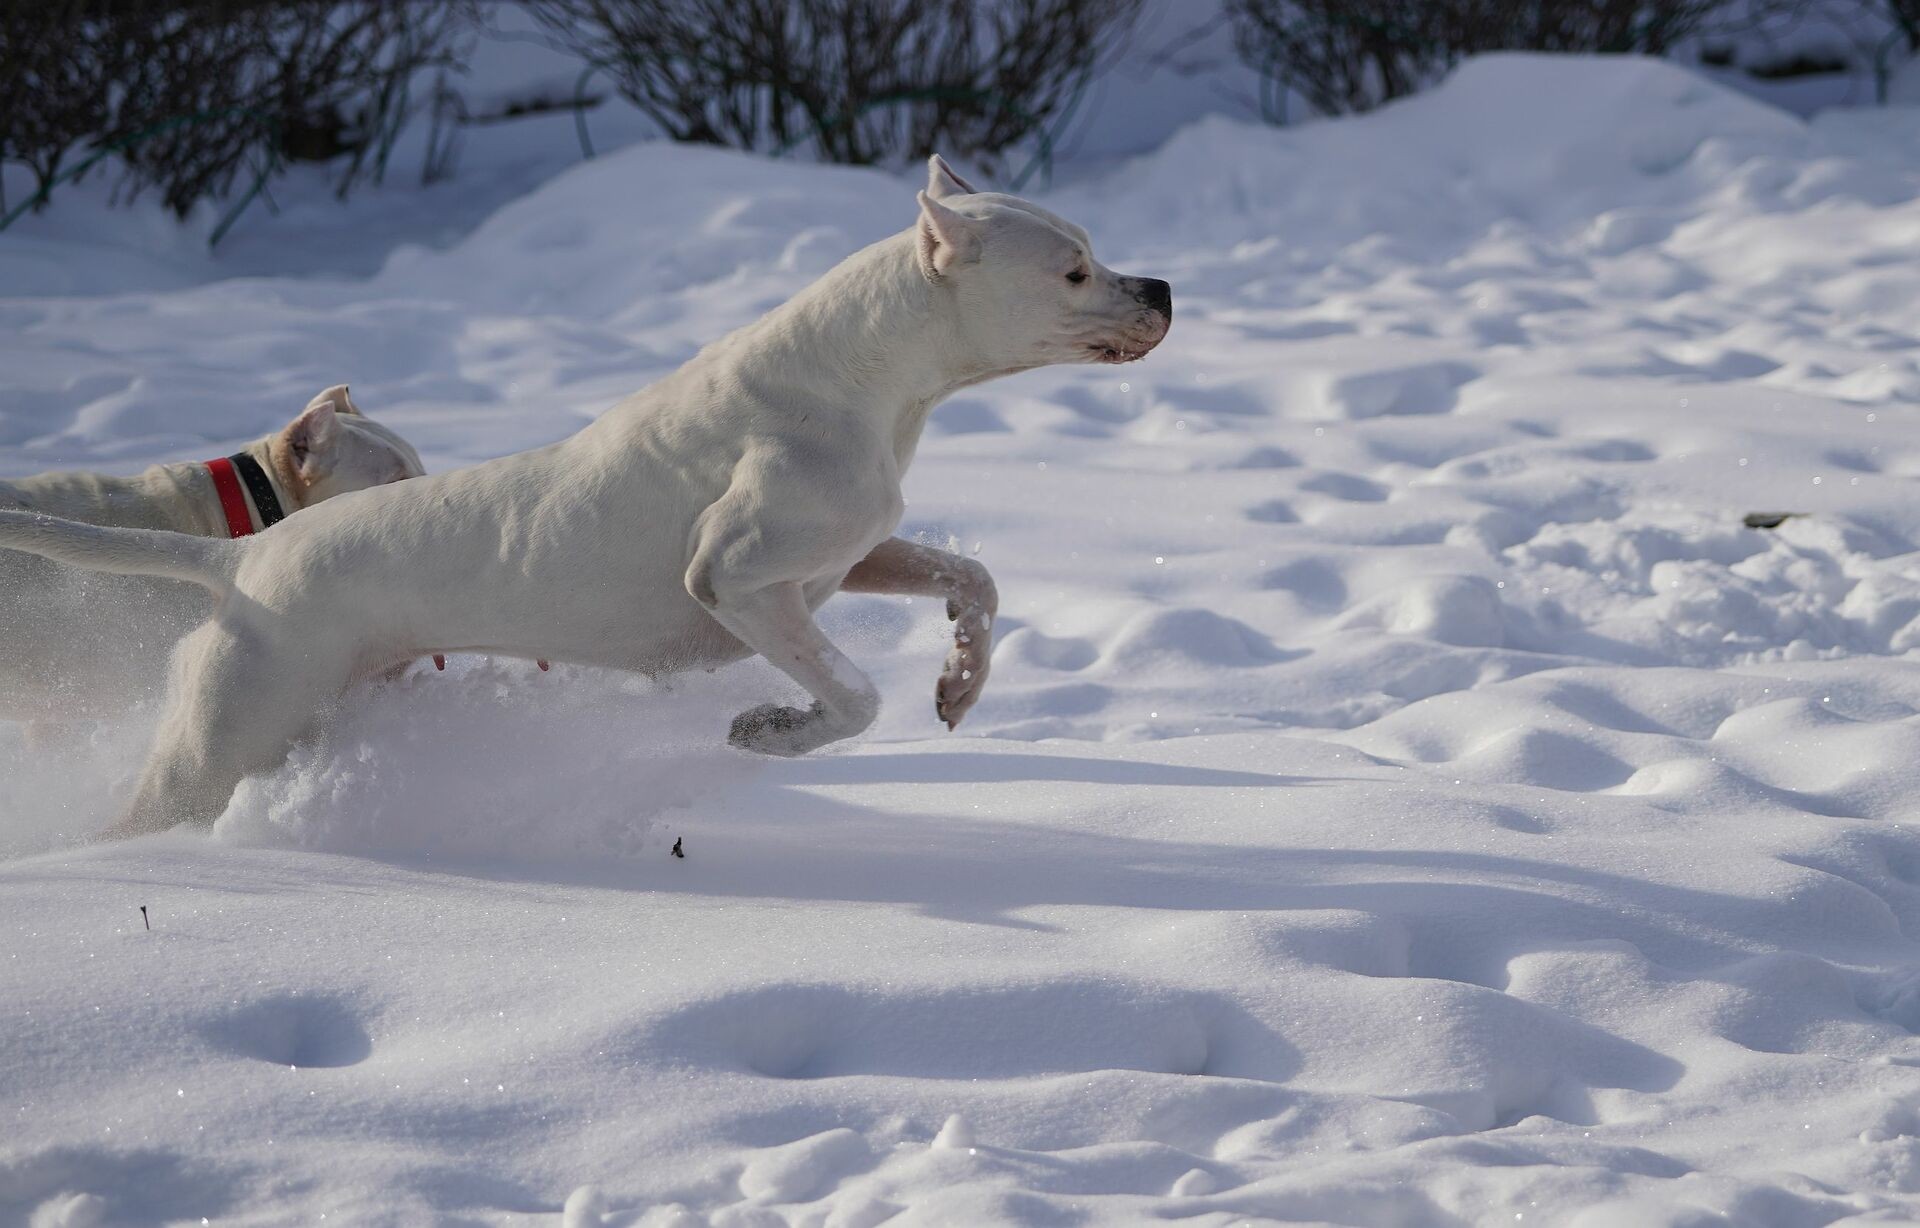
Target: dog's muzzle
{"x": 1149, "y": 328}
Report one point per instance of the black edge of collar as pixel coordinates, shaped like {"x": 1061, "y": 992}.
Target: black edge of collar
{"x": 264, "y": 500}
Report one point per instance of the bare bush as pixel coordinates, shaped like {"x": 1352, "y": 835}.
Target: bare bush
{"x": 1344, "y": 56}
{"x": 56, "y": 84}
{"x": 189, "y": 95}
{"x": 1607, "y": 27}
{"x": 863, "y": 80}
{"x": 337, "y": 77}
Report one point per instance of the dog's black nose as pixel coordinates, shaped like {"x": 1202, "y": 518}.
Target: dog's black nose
{"x": 1156, "y": 294}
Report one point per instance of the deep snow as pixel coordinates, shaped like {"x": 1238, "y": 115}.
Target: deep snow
{"x": 1407, "y": 793}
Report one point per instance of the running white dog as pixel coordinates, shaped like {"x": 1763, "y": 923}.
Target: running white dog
{"x": 699, "y": 521}
{"x": 80, "y": 645}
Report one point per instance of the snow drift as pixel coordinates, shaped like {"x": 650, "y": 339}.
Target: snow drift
{"x": 1410, "y": 793}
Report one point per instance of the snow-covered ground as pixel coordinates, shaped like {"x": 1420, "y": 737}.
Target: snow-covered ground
{"x": 1408, "y": 794}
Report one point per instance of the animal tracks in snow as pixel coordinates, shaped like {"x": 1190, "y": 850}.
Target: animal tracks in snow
{"x": 292, "y": 1030}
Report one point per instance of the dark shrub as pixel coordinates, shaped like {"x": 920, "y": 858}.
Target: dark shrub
{"x": 1352, "y": 55}
{"x": 860, "y": 80}
{"x": 190, "y": 95}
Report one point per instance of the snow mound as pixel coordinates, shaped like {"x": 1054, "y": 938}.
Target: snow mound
{"x": 625, "y": 233}
{"x": 1461, "y": 610}
{"x": 493, "y": 762}
{"x": 1592, "y": 134}
{"x": 1587, "y": 122}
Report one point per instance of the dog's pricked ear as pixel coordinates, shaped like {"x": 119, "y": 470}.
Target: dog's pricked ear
{"x": 337, "y": 397}
{"x": 311, "y": 437}
{"x": 942, "y": 182}
{"x": 946, "y": 238}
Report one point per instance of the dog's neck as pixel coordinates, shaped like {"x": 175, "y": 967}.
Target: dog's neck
{"x": 178, "y": 495}
{"x": 276, "y": 457}
{"x": 899, "y": 343}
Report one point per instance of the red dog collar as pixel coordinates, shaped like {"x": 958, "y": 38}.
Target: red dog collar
{"x": 228, "y": 474}
{"x": 233, "y": 501}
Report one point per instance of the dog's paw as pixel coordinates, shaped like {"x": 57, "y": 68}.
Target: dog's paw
{"x": 773, "y": 729}
{"x": 964, "y": 677}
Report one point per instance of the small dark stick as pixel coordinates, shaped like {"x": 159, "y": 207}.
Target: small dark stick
{"x": 677, "y": 850}
{"x": 143, "y": 917}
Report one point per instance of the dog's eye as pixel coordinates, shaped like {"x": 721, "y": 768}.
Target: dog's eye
{"x": 1077, "y": 276}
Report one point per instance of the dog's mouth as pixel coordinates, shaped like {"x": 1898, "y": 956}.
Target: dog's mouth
{"x": 1124, "y": 349}
{"x": 1146, "y": 334}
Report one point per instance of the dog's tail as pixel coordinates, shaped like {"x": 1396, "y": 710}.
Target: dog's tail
{"x": 206, "y": 561}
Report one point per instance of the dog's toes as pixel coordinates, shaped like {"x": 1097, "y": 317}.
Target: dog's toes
{"x": 954, "y": 694}
{"x": 773, "y": 729}
{"x": 748, "y": 725}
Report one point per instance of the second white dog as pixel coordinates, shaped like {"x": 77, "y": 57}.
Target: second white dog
{"x": 701, "y": 520}
{"x": 76, "y": 644}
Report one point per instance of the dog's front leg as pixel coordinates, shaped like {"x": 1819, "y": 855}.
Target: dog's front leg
{"x": 900, "y": 566}
{"x": 775, "y": 622}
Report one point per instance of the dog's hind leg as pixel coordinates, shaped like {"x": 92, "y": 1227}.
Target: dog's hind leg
{"x": 236, "y": 707}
